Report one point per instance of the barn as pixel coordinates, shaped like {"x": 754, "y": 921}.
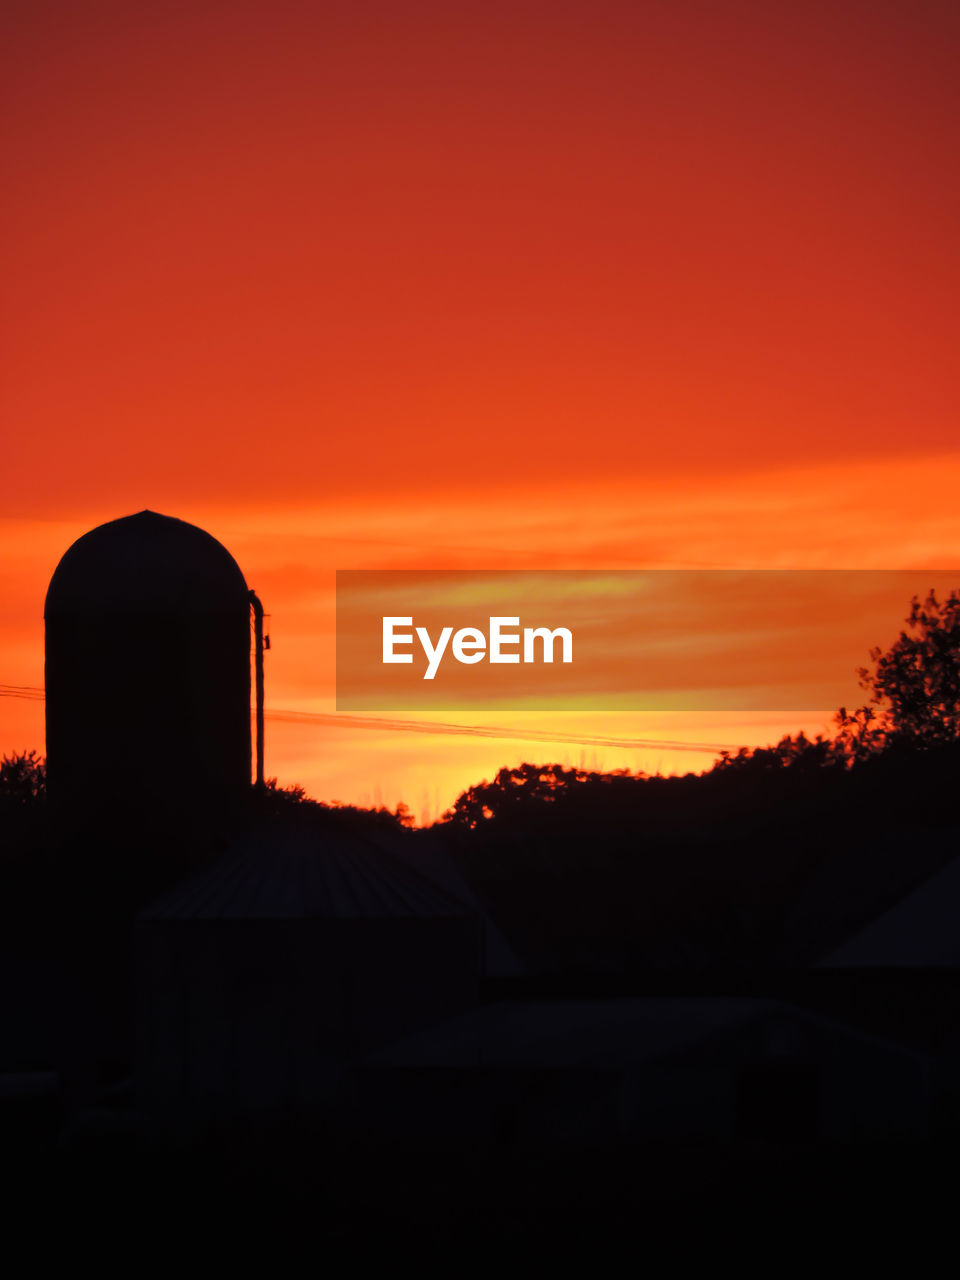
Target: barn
{"x": 262, "y": 979}
{"x": 545, "y": 1074}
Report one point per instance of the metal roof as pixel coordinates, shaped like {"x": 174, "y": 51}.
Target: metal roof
{"x": 297, "y": 874}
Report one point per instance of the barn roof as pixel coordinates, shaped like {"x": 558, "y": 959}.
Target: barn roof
{"x": 919, "y": 932}
{"x": 299, "y": 874}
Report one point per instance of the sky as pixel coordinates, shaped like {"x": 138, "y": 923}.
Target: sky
{"x": 618, "y": 285}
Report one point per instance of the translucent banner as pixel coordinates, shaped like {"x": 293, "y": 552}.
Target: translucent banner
{"x": 617, "y": 640}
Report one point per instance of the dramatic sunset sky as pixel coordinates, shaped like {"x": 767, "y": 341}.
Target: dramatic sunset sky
{"x": 499, "y": 285}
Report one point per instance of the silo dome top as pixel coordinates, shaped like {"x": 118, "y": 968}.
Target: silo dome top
{"x": 146, "y": 563}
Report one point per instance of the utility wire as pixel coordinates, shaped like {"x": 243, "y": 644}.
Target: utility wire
{"x": 338, "y": 720}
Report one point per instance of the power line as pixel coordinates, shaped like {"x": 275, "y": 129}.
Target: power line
{"x": 344, "y": 721}
{"x": 340, "y": 720}
{"x": 21, "y": 691}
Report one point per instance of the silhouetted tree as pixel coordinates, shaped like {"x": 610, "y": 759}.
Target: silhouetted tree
{"x": 860, "y": 734}
{"x": 23, "y": 778}
{"x": 273, "y": 800}
{"x": 915, "y": 685}
{"x": 525, "y": 790}
{"x": 792, "y": 751}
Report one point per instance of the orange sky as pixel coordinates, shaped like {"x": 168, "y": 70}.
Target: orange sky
{"x": 500, "y": 285}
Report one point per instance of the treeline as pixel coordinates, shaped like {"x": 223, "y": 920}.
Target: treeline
{"x": 772, "y": 856}
{"x": 757, "y": 862}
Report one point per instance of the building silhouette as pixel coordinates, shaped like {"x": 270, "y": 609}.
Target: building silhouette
{"x": 147, "y": 623}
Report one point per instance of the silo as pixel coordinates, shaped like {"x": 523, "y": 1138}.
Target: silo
{"x": 147, "y": 672}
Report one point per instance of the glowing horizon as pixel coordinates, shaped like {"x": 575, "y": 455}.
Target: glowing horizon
{"x": 290, "y": 558}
